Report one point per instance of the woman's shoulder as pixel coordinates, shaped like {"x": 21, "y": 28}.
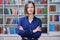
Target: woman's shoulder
{"x": 38, "y": 19}
{"x": 22, "y": 18}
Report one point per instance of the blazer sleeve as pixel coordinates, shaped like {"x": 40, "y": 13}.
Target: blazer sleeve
{"x": 22, "y": 32}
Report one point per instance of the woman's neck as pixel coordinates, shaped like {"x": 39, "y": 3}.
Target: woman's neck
{"x": 30, "y": 16}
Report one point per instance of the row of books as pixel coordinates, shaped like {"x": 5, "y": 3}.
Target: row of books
{"x": 41, "y": 10}
{"x": 10, "y": 30}
{"x": 40, "y": 1}
{"x": 54, "y": 8}
{"x": 11, "y": 20}
{"x": 24, "y": 1}
{"x": 55, "y": 18}
{"x": 15, "y": 1}
{"x": 10, "y": 11}
{"x": 44, "y": 19}
{"x": 9, "y": 1}
{"x": 38, "y": 10}
{"x": 53, "y": 27}
{"x": 54, "y": 0}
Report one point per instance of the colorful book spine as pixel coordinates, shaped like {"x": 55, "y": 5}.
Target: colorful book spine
{"x": 6, "y": 11}
{"x": 52, "y": 27}
{"x": 25, "y": 1}
{"x": 1, "y": 1}
{"x": 22, "y": 2}
{"x": 45, "y": 10}
{"x": 44, "y": 1}
{"x": 14, "y": 11}
{"x": 17, "y": 1}
{"x": 51, "y": 18}
{"x": 15, "y": 20}
{"x": 7, "y": 1}
{"x": 12, "y": 1}
{"x": 54, "y": 18}
{"x": 57, "y": 18}
{"x": 37, "y": 1}
{"x": 12, "y": 30}
{"x": 0, "y": 30}
{"x": 8, "y": 21}
{"x": 52, "y": 8}
{"x": 38, "y": 10}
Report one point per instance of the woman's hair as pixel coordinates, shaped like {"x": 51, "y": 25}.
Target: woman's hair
{"x": 26, "y": 6}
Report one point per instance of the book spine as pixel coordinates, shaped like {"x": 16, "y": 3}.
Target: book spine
{"x": 1, "y": 1}
{"x": 38, "y": 10}
{"x": 52, "y": 27}
{"x": 57, "y": 18}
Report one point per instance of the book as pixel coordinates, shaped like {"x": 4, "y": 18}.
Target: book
{"x": 6, "y": 11}
{"x": 5, "y": 30}
{"x": 7, "y": 1}
{"x": 15, "y": 21}
{"x": 17, "y": 1}
{"x": 57, "y": 8}
{"x": 25, "y": 1}
{"x": 12, "y": 30}
{"x": 1, "y": 30}
{"x": 14, "y": 11}
{"x": 56, "y": 27}
{"x": 38, "y": 10}
{"x": 50, "y": 0}
{"x": 52, "y": 27}
{"x": 51, "y": 18}
{"x": 11, "y": 20}
{"x": 54, "y": 18}
{"x": 52, "y": 8}
{"x": 57, "y": 18}
{"x": 37, "y": 1}
{"x": 1, "y": 20}
{"x": 43, "y": 1}
{"x": 21, "y": 11}
{"x": 59, "y": 27}
{"x": 22, "y": 2}
{"x": 1, "y": 1}
{"x": 11, "y": 10}
{"x": 12, "y": 1}
{"x": 8, "y": 21}
{"x": 55, "y": 0}
{"x": 45, "y": 10}
{"x": 1, "y": 10}
{"x": 44, "y": 20}
{"x": 44, "y": 29}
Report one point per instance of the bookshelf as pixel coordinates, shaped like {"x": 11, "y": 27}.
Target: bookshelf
{"x": 47, "y": 10}
{"x": 54, "y": 14}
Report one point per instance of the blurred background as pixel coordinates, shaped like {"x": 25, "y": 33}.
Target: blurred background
{"x": 46, "y": 10}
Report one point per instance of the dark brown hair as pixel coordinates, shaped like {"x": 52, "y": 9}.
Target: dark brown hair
{"x": 26, "y": 6}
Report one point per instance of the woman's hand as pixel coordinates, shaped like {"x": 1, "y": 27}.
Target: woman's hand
{"x": 21, "y": 28}
{"x": 37, "y": 29}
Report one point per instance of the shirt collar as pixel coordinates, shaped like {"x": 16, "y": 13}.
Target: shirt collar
{"x": 33, "y": 18}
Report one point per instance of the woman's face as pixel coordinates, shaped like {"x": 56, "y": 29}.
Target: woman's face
{"x": 30, "y": 8}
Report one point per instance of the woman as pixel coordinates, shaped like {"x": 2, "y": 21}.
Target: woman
{"x": 29, "y": 27}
